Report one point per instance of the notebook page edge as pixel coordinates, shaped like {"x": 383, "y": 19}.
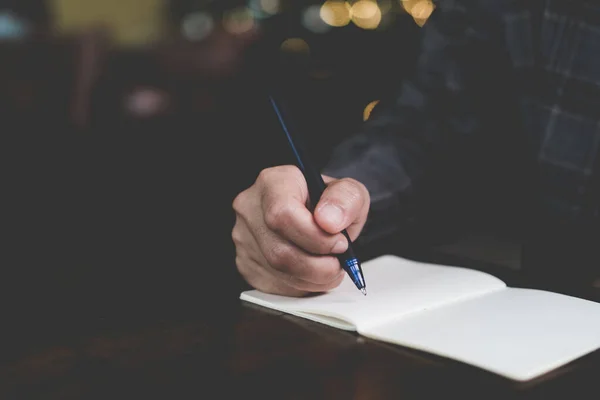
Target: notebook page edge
{"x": 454, "y": 358}
{"x": 537, "y": 369}
{"x": 325, "y": 318}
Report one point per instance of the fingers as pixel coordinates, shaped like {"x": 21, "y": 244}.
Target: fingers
{"x": 283, "y": 203}
{"x": 282, "y": 180}
{"x": 293, "y": 221}
{"x": 260, "y": 278}
{"x": 343, "y": 205}
{"x": 293, "y": 264}
{"x": 264, "y": 280}
{"x": 284, "y": 268}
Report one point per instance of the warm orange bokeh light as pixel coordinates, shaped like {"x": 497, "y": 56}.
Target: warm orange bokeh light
{"x": 420, "y": 10}
{"x": 295, "y": 45}
{"x": 239, "y": 20}
{"x": 335, "y": 13}
{"x": 366, "y": 14}
{"x": 368, "y": 109}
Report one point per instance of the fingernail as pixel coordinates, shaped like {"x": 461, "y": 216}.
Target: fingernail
{"x": 334, "y": 214}
{"x": 339, "y": 247}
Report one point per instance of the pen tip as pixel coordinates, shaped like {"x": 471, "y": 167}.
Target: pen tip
{"x": 364, "y": 291}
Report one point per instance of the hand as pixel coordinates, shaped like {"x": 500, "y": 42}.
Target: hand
{"x": 281, "y": 247}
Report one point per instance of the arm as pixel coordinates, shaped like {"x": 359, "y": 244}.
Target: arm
{"x": 416, "y": 155}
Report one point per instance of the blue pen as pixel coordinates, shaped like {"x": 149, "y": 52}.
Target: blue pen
{"x": 348, "y": 260}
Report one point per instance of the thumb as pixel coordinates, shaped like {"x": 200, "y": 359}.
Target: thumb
{"x": 343, "y": 205}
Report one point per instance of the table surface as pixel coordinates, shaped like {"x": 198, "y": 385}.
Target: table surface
{"x": 219, "y": 347}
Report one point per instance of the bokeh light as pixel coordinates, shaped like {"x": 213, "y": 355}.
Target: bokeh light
{"x": 270, "y": 6}
{"x": 295, "y": 45}
{"x": 336, "y": 13}
{"x": 146, "y": 101}
{"x": 239, "y": 20}
{"x": 311, "y": 19}
{"x": 264, "y": 8}
{"x": 12, "y": 27}
{"x": 196, "y": 26}
{"x": 368, "y": 109}
{"x": 366, "y": 14}
{"x": 420, "y": 10}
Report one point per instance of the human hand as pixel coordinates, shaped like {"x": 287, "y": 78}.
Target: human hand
{"x": 283, "y": 248}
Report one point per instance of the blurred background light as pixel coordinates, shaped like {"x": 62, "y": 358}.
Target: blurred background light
{"x": 146, "y": 102}
{"x": 366, "y": 14}
{"x": 368, "y": 109}
{"x": 131, "y": 22}
{"x": 336, "y": 13}
{"x": 158, "y": 81}
{"x": 11, "y": 26}
{"x": 420, "y": 10}
{"x": 312, "y": 20}
{"x": 197, "y": 25}
{"x": 264, "y": 8}
{"x": 238, "y": 20}
{"x": 295, "y": 45}
{"x": 270, "y": 6}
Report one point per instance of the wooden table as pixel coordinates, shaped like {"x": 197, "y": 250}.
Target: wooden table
{"x": 216, "y": 347}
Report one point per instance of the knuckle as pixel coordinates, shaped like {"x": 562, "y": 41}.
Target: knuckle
{"x": 278, "y": 215}
{"x": 350, "y": 195}
{"x": 269, "y": 174}
{"x": 239, "y": 201}
{"x": 280, "y": 257}
{"x": 266, "y": 175}
{"x": 236, "y": 235}
{"x": 290, "y": 170}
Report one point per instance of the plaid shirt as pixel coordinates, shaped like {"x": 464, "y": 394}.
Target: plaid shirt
{"x": 500, "y": 120}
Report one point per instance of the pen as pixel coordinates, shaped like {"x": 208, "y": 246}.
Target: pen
{"x": 348, "y": 260}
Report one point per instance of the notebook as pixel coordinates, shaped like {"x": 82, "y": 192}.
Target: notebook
{"x": 454, "y": 312}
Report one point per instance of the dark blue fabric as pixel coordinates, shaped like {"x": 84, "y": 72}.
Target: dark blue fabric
{"x": 504, "y": 99}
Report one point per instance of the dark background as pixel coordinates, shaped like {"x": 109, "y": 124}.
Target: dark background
{"x": 117, "y": 211}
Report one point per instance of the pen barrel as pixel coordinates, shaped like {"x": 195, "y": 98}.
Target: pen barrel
{"x": 315, "y": 185}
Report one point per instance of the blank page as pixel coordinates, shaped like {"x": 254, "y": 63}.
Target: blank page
{"x": 516, "y": 333}
{"x": 395, "y": 287}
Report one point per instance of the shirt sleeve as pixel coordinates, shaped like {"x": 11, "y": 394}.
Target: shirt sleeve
{"x": 407, "y": 151}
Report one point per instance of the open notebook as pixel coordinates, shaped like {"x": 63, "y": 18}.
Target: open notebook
{"x": 455, "y": 312}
